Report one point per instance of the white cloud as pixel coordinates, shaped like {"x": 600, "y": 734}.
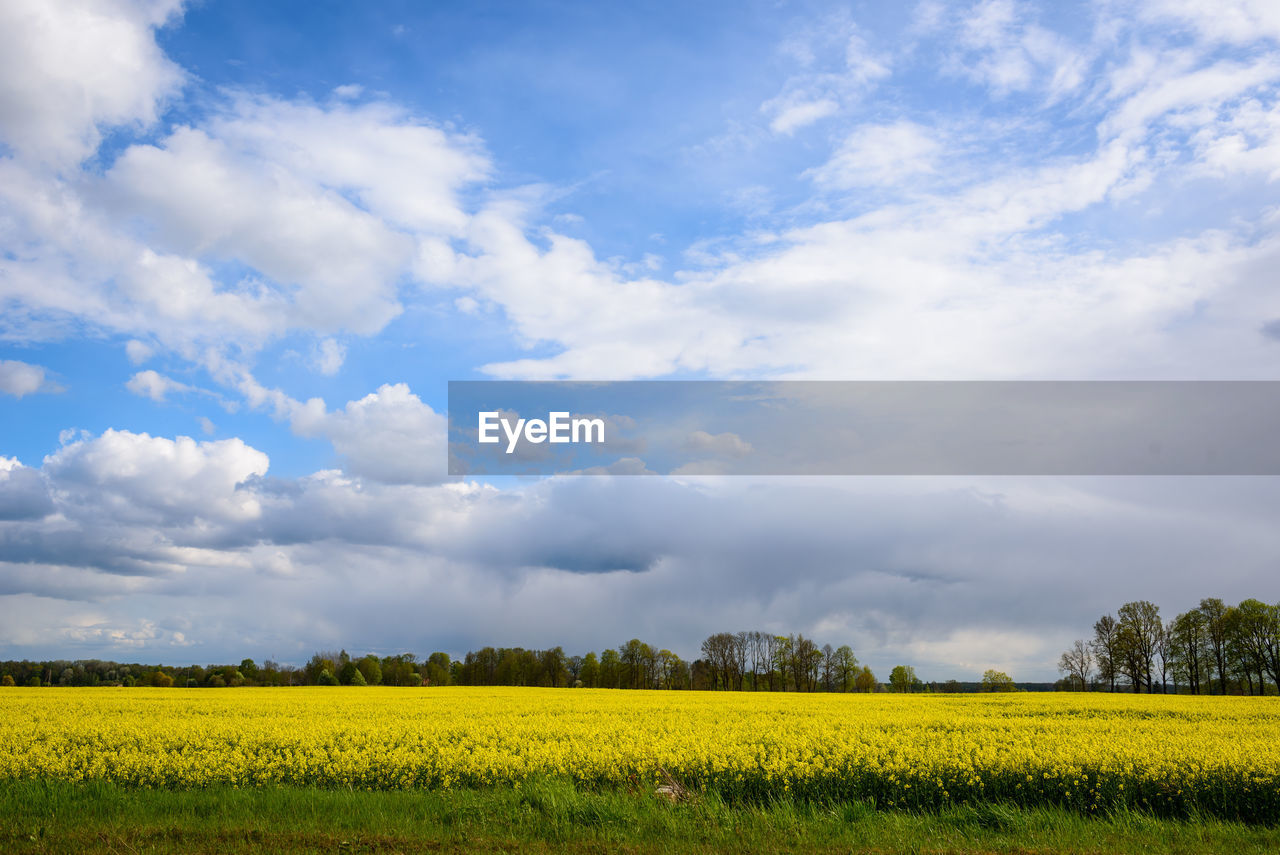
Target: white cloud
{"x": 23, "y": 492}
{"x": 327, "y": 356}
{"x": 402, "y": 169}
{"x": 1000, "y": 48}
{"x": 1234, "y": 21}
{"x": 21, "y": 378}
{"x": 210, "y": 201}
{"x": 795, "y": 116}
{"x": 389, "y": 435}
{"x": 839, "y": 69}
{"x": 326, "y": 207}
{"x": 879, "y": 155}
{"x": 137, "y": 351}
{"x": 142, "y": 477}
{"x": 67, "y": 69}
{"x": 156, "y": 386}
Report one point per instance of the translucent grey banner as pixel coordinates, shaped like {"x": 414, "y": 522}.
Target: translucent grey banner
{"x": 864, "y": 428}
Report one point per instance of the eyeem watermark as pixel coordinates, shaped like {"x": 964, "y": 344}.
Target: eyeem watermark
{"x": 696, "y": 427}
{"x": 557, "y": 428}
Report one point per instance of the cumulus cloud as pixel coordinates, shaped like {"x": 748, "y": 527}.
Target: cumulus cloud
{"x": 67, "y": 70}
{"x": 389, "y": 435}
{"x": 325, "y": 211}
{"x": 23, "y": 492}
{"x": 21, "y": 378}
{"x": 144, "y": 477}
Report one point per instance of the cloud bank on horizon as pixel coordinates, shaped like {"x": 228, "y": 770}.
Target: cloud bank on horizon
{"x": 243, "y": 249}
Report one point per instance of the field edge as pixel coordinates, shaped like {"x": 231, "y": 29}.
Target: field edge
{"x": 553, "y": 815}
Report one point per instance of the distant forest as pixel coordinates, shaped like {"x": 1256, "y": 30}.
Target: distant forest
{"x": 1211, "y": 649}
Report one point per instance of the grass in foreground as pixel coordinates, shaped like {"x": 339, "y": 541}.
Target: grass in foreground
{"x": 554, "y": 816}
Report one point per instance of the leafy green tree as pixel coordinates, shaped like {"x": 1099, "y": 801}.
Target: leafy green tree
{"x": 902, "y": 678}
{"x": 438, "y": 669}
{"x": 609, "y": 669}
{"x": 347, "y": 672}
{"x": 997, "y": 681}
{"x": 401, "y": 670}
{"x": 1256, "y": 627}
{"x": 326, "y": 678}
{"x": 317, "y": 663}
{"x": 846, "y": 668}
{"x": 673, "y": 672}
{"x": 865, "y": 680}
{"x": 371, "y": 670}
{"x": 6, "y": 681}
{"x": 590, "y": 672}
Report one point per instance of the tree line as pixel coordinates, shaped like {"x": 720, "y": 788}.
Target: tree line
{"x": 1212, "y": 648}
{"x": 750, "y": 661}
{"x": 328, "y": 668}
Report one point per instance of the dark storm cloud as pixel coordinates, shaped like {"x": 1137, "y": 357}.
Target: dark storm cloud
{"x": 23, "y": 495}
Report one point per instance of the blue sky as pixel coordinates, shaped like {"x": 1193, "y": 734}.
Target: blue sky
{"x": 244, "y": 246}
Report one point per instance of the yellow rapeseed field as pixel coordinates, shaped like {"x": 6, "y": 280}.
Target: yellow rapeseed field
{"x": 1172, "y": 755}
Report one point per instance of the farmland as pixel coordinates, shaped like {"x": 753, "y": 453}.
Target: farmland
{"x": 1086, "y": 753}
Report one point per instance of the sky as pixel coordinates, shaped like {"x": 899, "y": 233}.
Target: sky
{"x": 245, "y": 246}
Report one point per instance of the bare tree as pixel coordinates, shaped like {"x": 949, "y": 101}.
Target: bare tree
{"x": 771, "y": 657}
{"x": 721, "y": 654}
{"x": 741, "y": 653}
{"x": 828, "y": 668}
{"x": 1215, "y": 626}
{"x": 805, "y": 660}
{"x": 1106, "y": 649}
{"x": 1187, "y": 646}
{"x": 759, "y": 656}
{"x": 1077, "y": 664}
